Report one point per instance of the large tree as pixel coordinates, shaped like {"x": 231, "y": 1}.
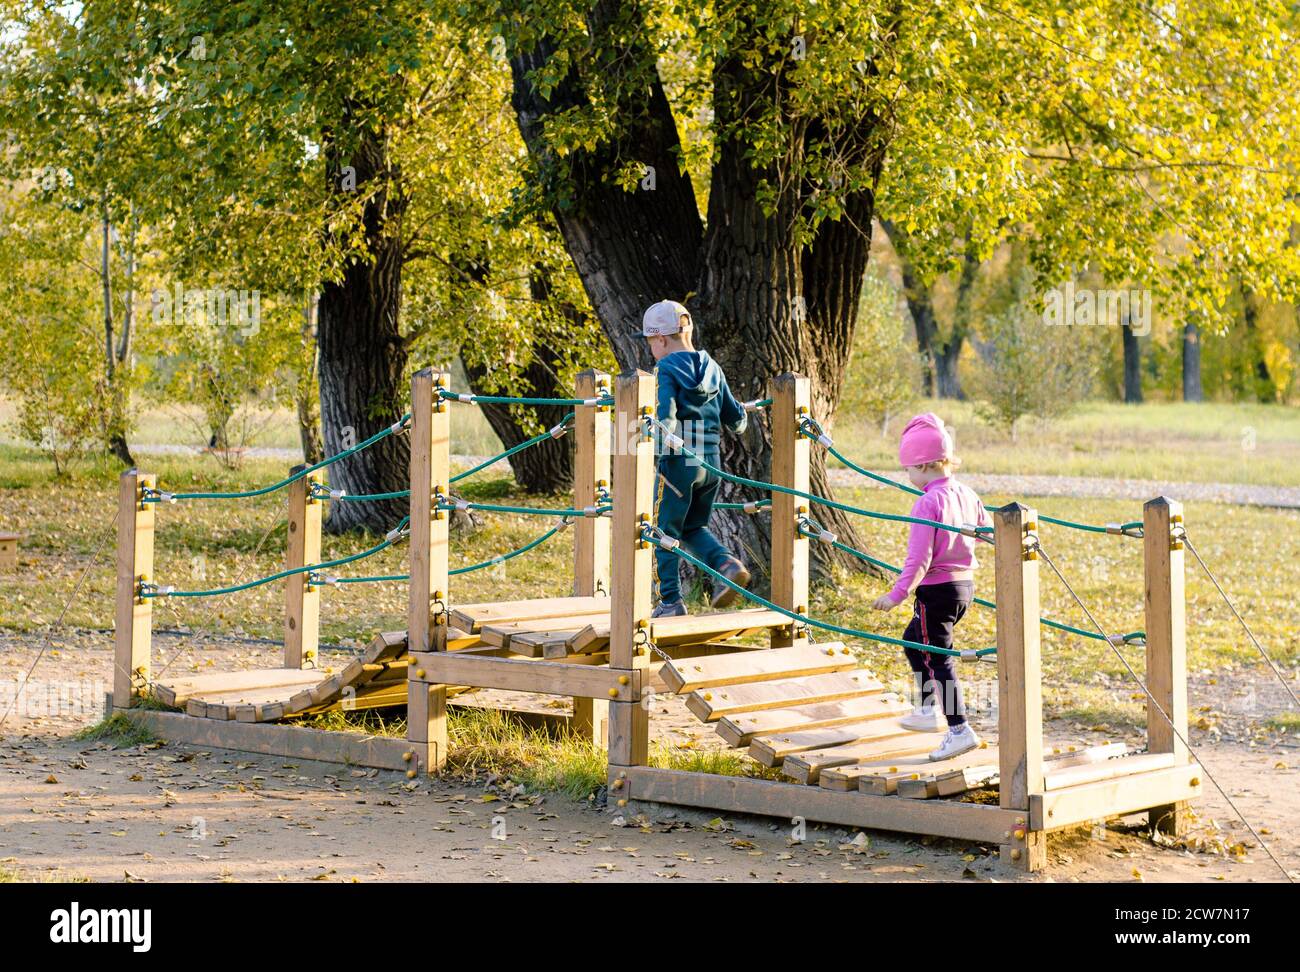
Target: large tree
{"x": 732, "y": 155}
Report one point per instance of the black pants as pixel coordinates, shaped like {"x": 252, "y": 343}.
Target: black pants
{"x": 938, "y": 608}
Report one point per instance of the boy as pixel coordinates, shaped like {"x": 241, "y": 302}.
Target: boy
{"x": 695, "y": 403}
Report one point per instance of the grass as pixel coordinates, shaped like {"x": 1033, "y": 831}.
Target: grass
{"x": 119, "y": 730}
{"x": 1171, "y": 441}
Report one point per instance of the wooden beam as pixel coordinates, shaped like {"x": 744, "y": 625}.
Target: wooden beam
{"x": 1020, "y": 700}
{"x": 1068, "y": 776}
{"x": 1110, "y": 798}
{"x": 550, "y": 678}
{"x": 427, "y": 607}
{"x": 1166, "y": 631}
{"x": 731, "y": 794}
{"x": 632, "y": 566}
{"x": 134, "y": 614}
{"x": 744, "y": 667}
{"x": 302, "y": 599}
{"x": 791, "y": 403}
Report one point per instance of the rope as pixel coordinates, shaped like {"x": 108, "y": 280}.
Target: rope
{"x": 815, "y": 530}
{"x": 812, "y": 429}
{"x": 158, "y": 496}
{"x": 1245, "y": 627}
{"x": 675, "y": 441}
{"x": 470, "y": 399}
{"x": 667, "y": 543}
{"x": 461, "y": 504}
{"x": 150, "y": 590}
{"x": 1164, "y": 715}
{"x": 491, "y": 562}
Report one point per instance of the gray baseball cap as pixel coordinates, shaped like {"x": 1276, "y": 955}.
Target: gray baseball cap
{"x": 663, "y": 318}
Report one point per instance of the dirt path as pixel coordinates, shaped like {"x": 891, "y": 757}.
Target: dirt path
{"x": 169, "y": 812}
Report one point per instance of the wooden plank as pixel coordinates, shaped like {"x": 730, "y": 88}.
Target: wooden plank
{"x": 1060, "y": 779}
{"x": 1166, "y": 652}
{"x": 591, "y": 471}
{"x": 294, "y": 742}
{"x": 770, "y": 750}
{"x": 133, "y": 615}
{"x": 471, "y": 617}
{"x": 1109, "y": 798}
{"x": 741, "y": 729}
{"x": 709, "y": 705}
{"x": 1020, "y": 689}
{"x": 1060, "y": 756}
{"x": 791, "y": 467}
{"x": 302, "y": 600}
{"x": 179, "y": 690}
{"x": 807, "y": 767}
{"x": 925, "y": 785}
{"x": 686, "y": 630}
{"x": 741, "y": 667}
{"x": 551, "y": 678}
{"x": 731, "y": 794}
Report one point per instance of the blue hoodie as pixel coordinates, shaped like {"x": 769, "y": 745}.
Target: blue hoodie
{"x": 695, "y": 401}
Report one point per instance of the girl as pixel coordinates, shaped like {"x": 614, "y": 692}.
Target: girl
{"x": 940, "y": 570}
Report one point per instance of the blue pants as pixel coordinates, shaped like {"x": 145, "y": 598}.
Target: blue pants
{"x": 686, "y": 491}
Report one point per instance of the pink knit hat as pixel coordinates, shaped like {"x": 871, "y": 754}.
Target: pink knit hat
{"x": 924, "y": 440}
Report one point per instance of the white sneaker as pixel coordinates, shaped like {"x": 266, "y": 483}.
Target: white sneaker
{"x": 923, "y": 719}
{"x": 961, "y": 739}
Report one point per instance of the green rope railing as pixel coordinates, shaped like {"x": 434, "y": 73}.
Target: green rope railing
{"x": 812, "y": 429}
{"x": 811, "y": 528}
{"x": 468, "y": 398}
{"x": 674, "y": 546}
{"x": 467, "y": 505}
{"x": 153, "y": 590}
{"x": 159, "y": 496}
{"x": 674, "y": 441}
{"x": 454, "y": 572}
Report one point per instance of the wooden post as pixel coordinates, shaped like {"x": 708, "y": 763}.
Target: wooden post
{"x": 1166, "y": 629}
{"x": 427, "y": 609}
{"x": 632, "y": 573}
{"x": 791, "y": 403}
{"x": 1020, "y": 698}
{"x": 591, "y": 471}
{"x": 135, "y": 523}
{"x": 302, "y": 599}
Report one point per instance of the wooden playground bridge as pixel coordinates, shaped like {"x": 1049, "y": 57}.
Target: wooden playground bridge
{"x": 805, "y": 707}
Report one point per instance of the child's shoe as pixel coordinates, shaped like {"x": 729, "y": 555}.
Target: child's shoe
{"x": 669, "y": 609}
{"x": 725, "y": 595}
{"x": 924, "y": 719}
{"x": 959, "y": 739}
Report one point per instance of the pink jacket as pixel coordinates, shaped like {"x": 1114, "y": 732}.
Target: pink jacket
{"x": 934, "y": 555}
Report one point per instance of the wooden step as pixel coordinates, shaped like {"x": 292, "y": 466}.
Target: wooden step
{"x": 687, "y": 630}
{"x": 1106, "y": 770}
{"x": 807, "y": 767}
{"x": 881, "y": 776}
{"x": 178, "y": 690}
{"x": 1058, "y": 756}
{"x": 770, "y": 750}
{"x": 742, "y": 667}
{"x": 709, "y": 705}
{"x": 471, "y": 617}
{"x": 739, "y": 730}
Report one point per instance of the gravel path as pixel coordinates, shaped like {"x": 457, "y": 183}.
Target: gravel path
{"x": 1282, "y": 497}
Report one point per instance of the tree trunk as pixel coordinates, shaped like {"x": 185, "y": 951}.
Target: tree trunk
{"x": 1192, "y": 390}
{"x": 115, "y": 421}
{"x": 767, "y": 301}
{"x": 1132, "y": 366}
{"x": 548, "y": 466}
{"x": 362, "y": 356}
{"x": 1263, "y": 381}
{"x": 305, "y": 401}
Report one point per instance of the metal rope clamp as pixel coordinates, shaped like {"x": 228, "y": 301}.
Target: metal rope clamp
{"x": 1120, "y": 530}
{"x": 810, "y": 427}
